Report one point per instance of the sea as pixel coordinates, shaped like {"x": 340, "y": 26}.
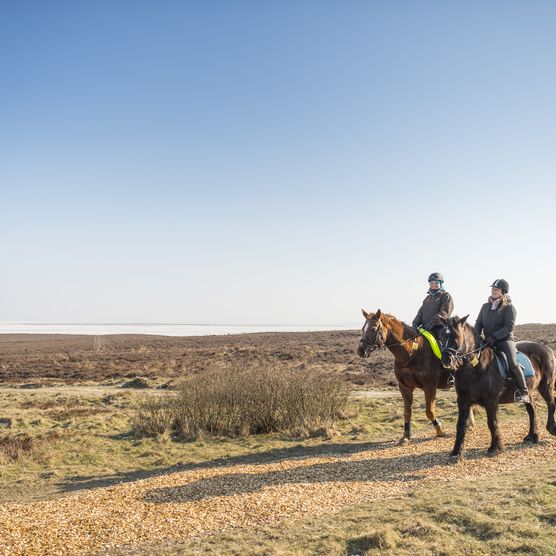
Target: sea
{"x": 98, "y": 329}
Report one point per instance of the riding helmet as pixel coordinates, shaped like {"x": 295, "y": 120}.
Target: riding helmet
{"x": 436, "y": 277}
{"x": 502, "y": 284}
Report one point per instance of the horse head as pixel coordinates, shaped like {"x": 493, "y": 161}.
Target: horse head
{"x": 373, "y": 334}
{"x": 453, "y": 342}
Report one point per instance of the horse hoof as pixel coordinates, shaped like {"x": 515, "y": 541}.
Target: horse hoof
{"x": 493, "y": 452}
{"x": 441, "y": 434}
{"x": 531, "y": 439}
{"x": 551, "y": 430}
{"x": 455, "y": 458}
{"x": 403, "y": 441}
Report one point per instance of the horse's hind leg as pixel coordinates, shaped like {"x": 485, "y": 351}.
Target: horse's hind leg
{"x": 533, "y": 436}
{"x": 470, "y": 420}
{"x": 407, "y": 395}
{"x": 464, "y": 407}
{"x": 492, "y": 418}
{"x": 546, "y": 390}
{"x": 430, "y": 409}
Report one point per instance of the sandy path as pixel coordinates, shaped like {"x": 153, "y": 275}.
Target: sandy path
{"x": 196, "y": 502}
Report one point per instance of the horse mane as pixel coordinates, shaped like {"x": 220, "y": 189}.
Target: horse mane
{"x": 406, "y": 328}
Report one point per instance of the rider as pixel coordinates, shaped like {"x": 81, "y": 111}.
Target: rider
{"x": 438, "y": 304}
{"x": 496, "y": 321}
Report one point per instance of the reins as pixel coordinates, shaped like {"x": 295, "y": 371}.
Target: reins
{"x": 386, "y": 346}
{"x": 400, "y": 343}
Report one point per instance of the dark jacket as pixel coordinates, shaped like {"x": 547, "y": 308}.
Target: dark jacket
{"x": 434, "y": 308}
{"x": 498, "y": 324}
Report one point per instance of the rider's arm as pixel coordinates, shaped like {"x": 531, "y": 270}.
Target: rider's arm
{"x": 445, "y": 311}
{"x": 509, "y": 321}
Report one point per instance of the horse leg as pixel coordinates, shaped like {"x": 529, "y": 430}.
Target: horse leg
{"x": 533, "y": 436}
{"x": 407, "y": 395}
{"x": 470, "y": 425}
{"x": 430, "y": 409}
{"x": 464, "y": 408}
{"x": 546, "y": 390}
{"x": 492, "y": 418}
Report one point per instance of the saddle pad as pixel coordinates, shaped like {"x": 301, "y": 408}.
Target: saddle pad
{"x": 526, "y": 364}
{"x": 522, "y": 360}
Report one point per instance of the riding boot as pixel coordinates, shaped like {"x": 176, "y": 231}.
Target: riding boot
{"x": 522, "y": 393}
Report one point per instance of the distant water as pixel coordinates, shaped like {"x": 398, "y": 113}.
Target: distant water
{"x": 162, "y": 329}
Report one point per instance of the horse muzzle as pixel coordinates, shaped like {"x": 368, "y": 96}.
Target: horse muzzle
{"x": 364, "y": 350}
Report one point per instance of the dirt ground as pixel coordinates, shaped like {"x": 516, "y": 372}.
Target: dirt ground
{"x": 70, "y": 359}
{"x": 205, "y": 500}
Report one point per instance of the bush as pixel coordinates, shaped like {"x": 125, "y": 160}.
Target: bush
{"x": 153, "y": 416}
{"x": 17, "y": 447}
{"x": 243, "y": 401}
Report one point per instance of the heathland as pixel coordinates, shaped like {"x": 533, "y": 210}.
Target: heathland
{"x": 76, "y": 478}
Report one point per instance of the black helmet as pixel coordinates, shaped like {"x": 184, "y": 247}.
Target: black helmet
{"x": 436, "y": 276}
{"x": 502, "y": 284}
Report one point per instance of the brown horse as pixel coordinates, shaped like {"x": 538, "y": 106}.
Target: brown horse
{"x": 415, "y": 364}
{"x": 478, "y": 381}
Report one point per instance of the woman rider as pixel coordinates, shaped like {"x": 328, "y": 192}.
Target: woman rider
{"x": 438, "y": 304}
{"x": 496, "y": 321}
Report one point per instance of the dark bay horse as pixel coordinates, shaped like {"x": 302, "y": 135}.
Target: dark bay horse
{"x": 478, "y": 381}
{"x": 415, "y": 365}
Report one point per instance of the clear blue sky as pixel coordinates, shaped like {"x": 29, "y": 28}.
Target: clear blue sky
{"x": 274, "y": 162}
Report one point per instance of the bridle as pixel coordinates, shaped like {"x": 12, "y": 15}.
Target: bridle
{"x": 382, "y": 343}
{"x": 459, "y": 355}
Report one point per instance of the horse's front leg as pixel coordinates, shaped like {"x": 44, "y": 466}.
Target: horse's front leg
{"x": 533, "y": 436}
{"x": 430, "y": 409}
{"x": 492, "y": 418}
{"x": 407, "y": 395}
{"x": 464, "y": 408}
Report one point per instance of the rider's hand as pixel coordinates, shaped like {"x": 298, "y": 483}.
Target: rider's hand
{"x": 489, "y": 341}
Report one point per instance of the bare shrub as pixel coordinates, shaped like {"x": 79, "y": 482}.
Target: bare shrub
{"x": 13, "y": 447}
{"x": 153, "y": 416}
{"x": 99, "y": 344}
{"x": 243, "y": 401}
{"x": 16, "y": 447}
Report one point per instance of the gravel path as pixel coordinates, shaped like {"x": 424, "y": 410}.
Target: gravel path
{"x": 197, "y": 502}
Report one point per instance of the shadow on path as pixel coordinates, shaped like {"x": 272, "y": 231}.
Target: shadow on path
{"x": 82, "y": 482}
{"x": 398, "y": 468}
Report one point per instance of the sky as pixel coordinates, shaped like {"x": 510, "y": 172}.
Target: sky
{"x": 274, "y": 162}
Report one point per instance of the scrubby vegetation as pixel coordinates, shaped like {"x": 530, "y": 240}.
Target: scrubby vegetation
{"x": 240, "y": 401}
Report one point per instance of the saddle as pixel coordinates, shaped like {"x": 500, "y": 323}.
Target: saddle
{"x": 522, "y": 360}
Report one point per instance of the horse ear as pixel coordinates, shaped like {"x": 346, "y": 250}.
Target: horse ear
{"x": 365, "y": 314}
{"x": 462, "y": 320}
{"x": 378, "y": 314}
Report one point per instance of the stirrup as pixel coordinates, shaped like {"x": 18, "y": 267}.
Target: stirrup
{"x": 451, "y": 380}
{"x": 521, "y": 397}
